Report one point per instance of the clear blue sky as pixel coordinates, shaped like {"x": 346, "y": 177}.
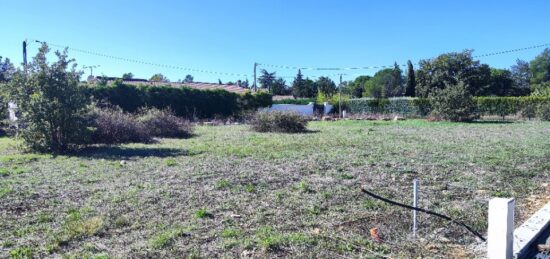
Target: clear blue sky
{"x": 229, "y": 36}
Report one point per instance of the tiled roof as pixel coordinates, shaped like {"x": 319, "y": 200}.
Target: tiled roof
{"x": 195, "y": 85}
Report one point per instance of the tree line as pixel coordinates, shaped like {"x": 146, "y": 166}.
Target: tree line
{"x": 523, "y": 78}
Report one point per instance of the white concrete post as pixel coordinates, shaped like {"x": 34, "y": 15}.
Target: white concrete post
{"x": 415, "y": 204}
{"x": 501, "y": 228}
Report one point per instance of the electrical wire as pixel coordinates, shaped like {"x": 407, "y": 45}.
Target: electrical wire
{"x": 390, "y": 66}
{"x": 143, "y": 62}
{"x": 470, "y": 229}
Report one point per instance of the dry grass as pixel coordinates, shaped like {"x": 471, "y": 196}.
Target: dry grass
{"x": 233, "y": 192}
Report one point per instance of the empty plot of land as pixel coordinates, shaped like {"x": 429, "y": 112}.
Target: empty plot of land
{"x": 232, "y": 192}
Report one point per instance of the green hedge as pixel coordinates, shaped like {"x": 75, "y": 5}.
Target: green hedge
{"x": 300, "y": 101}
{"x": 185, "y": 102}
{"x": 503, "y": 106}
{"x": 404, "y": 106}
{"x": 420, "y": 107}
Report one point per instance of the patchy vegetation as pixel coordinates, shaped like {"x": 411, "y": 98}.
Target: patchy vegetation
{"x": 234, "y": 192}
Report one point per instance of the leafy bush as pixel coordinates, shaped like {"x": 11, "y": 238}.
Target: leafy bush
{"x": 53, "y": 105}
{"x": 3, "y": 103}
{"x": 278, "y": 121}
{"x": 404, "y": 106}
{"x": 185, "y": 102}
{"x": 454, "y": 103}
{"x": 163, "y": 123}
{"x": 113, "y": 126}
{"x": 543, "y": 111}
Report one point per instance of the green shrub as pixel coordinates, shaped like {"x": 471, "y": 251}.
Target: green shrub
{"x": 163, "y": 123}
{"x": 454, "y": 103}
{"x": 278, "y": 121}
{"x": 52, "y": 103}
{"x": 183, "y": 101}
{"x": 543, "y": 111}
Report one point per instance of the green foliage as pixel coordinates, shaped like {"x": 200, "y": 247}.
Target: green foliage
{"x": 303, "y": 88}
{"x": 501, "y": 83}
{"x": 278, "y": 121}
{"x": 127, "y": 76}
{"x": 266, "y": 79}
{"x": 326, "y": 86}
{"x": 188, "y": 79}
{"x": 410, "y": 89}
{"x": 166, "y": 238}
{"x": 404, "y": 106}
{"x": 503, "y": 106}
{"x": 542, "y": 89}
{"x": 269, "y": 239}
{"x": 52, "y": 103}
{"x": 540, "y": 68}
{"x": 300, "y": 101}
{"x": 454, "y": 103}
{"x": 184, "y": 102}
{"x": 7, "y": 70}
{"x": 171, "y": 162}
{"x": 201, "y": 213}
{"x": 279, "y": 87}
{"x": 356, "y": 87}
{"x": 543, "y": 111}
{"x": 420, "y": 107}
{"x": 335, "y": 100}
{"x": 159, "y": 78}
{"x": 450, "y": 69}
{"x": 385, "y": 83}
{"x": 3, "y": 102}
{"x": 23, "y": 252}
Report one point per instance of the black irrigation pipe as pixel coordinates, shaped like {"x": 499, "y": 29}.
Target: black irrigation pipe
{"x": 425, "y": 211}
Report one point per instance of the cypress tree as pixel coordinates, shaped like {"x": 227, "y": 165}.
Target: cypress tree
{"x": 411, "y": 80}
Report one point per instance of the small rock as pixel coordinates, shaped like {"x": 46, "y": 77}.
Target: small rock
{"x": 123, "y": 162}
{"x": 236, "y": 216}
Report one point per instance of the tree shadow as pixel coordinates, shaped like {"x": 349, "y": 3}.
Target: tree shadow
{"x": 492, "y": 122}
{"x": 120, "y": 152}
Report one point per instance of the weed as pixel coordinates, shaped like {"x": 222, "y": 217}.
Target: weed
{"x": 269, "y": 239}
{"x": 165, "y": 238}
{"x": 223, "y": 184}
{"x": 171, "y": 162}
{"x": 21, "y": 252}
{"x": 231, "y": 232}
{"x": 202, "y": 213}
{"x": 303, "y": 186}
{"x": 250, "y": 188}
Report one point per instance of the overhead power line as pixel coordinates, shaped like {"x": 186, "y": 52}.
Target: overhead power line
{"x": 390, "y": 66}
{"x": 94, "y": 53}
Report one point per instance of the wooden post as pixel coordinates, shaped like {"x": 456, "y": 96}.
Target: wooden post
{"x": 501, "y": 228}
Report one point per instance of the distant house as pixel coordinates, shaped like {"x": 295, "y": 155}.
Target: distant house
{"x": 195, "y": 85}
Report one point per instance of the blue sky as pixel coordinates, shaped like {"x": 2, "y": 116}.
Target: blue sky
{"x": 229, "y": 36}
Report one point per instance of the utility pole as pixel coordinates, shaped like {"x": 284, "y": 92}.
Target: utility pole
{"x": 91, "y": 69}
{"x": 25, "y": 53}
{"x": 255, "y": 87}
{"x": 340, "y": 97}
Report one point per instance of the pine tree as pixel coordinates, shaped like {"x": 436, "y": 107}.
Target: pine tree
{"x": 299, "y": 87}
{"x": 411, "y": 80}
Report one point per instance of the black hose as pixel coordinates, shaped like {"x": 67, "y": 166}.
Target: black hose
{"x": 425, "y": 211}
